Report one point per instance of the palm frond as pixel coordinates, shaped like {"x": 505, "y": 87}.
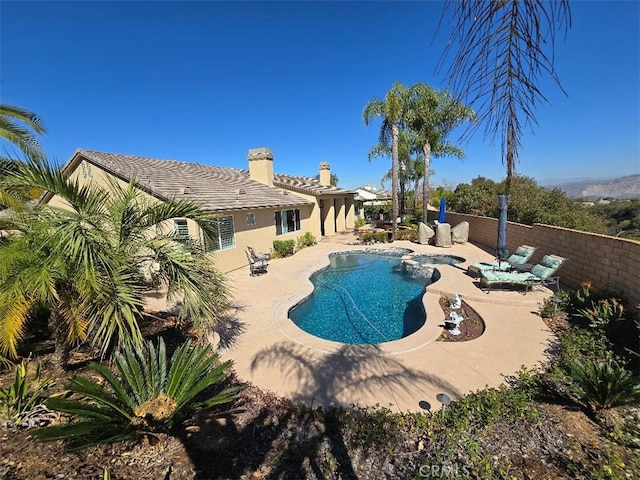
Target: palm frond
{"x": 20, "y": 127}
{"x": 14, "y": 311}
{"x": 498, "y": 49}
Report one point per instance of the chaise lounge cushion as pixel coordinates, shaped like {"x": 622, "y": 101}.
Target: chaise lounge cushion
{"x": 519, "y": 257}
{"x": 540, "y": 274}
{"x": 546, "y": 267}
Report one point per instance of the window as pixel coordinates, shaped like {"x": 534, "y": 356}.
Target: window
{"x": 251, "y": 218}
{"x": 287, "y": 221}
{"x": 180, "y": 229}
{"x": 224, "y": 237}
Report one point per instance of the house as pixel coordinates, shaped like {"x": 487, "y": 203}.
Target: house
{"x": 370, "y": 195}
{"x": 253, "y": 207}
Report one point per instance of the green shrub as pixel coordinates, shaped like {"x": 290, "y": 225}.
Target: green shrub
{"x": 283, "y": 248}
{"x": 585, "y": 297}
{"x": 21, "y": 403}
{"x": 604, "y": 386}
{"x": 485, "y": 407}
{"x": 584, "y": 345}
{"x": 375, "y": 237}
{"x": 360, "y": 222}
{"x": 306, "y": 240}
{"x": 581, "y": 297}
{"x": 603, "y": 313}
{"x": 149, "y": 394}
{"x": 551, "y": 306}
{"x": 373, "y": 211}
{"x": 410, "y": 234}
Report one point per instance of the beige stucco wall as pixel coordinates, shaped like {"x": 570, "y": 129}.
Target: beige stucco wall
{"x": 337, "y": 214}
{"x": 609, "y": 263}
{"x": 259, "y": 236}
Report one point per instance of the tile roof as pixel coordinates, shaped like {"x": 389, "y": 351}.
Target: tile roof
{"x": 307, "y": 185}
{"x": 215, "y": 188}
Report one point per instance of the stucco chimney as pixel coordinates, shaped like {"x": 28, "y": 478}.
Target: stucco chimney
{"x": 325, "y": 174}
{"x": 261, "y": 165}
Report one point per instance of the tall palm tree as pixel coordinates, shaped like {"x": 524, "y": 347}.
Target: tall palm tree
{"x": 19, "y": 127}
{"x": 391, "y": 110}
{"x": 406, "y": 164}
{"x": 500, "y": 50}
{"x": 85, "y": 263}
{"x": 433, "y": 115}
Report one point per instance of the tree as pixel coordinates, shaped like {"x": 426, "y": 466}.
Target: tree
{"x": 333, "y": 179}
{"x": 406, "y": 164}
{"x": 433, "y": 115}
{"x": 498, "y": 49}
{"x": 86, "y": 264}
{"x": 621, "y": 216}
{"x": 531, "y": 204}
{"x": 19, "y": 127}
{"x": 391, "y": 110}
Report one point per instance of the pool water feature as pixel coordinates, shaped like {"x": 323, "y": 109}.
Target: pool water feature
{"x": 365, "y": 298}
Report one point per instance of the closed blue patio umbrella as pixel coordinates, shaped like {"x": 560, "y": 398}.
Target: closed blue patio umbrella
{"x": 501, "y": 251}
{"x": 442, "y": 218}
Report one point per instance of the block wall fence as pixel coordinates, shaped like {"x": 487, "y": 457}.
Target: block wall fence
{"x": 609, "y": 263}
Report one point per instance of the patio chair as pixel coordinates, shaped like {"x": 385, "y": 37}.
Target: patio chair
{"x": 520, "y": 257}
{"x": 256, "y": 266}
{"x": 460, "y": 233}
{"x": 259, "y": 256}
{"x": 541, "y": 274}
{"x": 425, "y": 233}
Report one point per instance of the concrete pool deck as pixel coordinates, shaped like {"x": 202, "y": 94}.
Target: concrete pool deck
{"x": 405, "y": 375}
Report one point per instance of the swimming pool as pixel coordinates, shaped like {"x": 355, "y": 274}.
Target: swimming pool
{"x": 367, "y": 297}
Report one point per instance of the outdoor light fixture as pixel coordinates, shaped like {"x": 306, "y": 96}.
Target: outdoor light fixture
{"x": 445, "y": 400}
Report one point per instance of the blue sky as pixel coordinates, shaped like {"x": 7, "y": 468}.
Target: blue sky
{"x": 206, "y": 81}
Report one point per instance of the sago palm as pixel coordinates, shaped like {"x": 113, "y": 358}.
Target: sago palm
{"x": 604, "y": 386}
{"x": 85, "y": 262}
{"x": 149, "y": 394}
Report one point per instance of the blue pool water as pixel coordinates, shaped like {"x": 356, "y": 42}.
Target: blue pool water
{"x": 366, "y": 298}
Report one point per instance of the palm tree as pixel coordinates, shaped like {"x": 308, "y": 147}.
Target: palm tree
{"x": 86, "y": 262}
{"x": 498, "y": 50}
{"x": 406, "y": 164}
{"x": 19, "y": 127}
{"x": 433, "y": 115}
{"x": 391, "y": 110}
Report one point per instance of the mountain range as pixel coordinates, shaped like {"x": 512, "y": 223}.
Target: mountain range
{"x": 619, "y": 188}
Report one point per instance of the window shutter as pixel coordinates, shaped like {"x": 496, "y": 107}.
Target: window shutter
{"x": 226, "y": 233}
{"x": 180, "y": 229}
{"x": 278, "y": 223}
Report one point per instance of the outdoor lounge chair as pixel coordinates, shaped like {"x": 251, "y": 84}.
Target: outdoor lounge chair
{"x": 522, "y": 254}
{"x": 541, "y": 274}
{"x": 259, "y": 256}
{"x": 256, "y": 266}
